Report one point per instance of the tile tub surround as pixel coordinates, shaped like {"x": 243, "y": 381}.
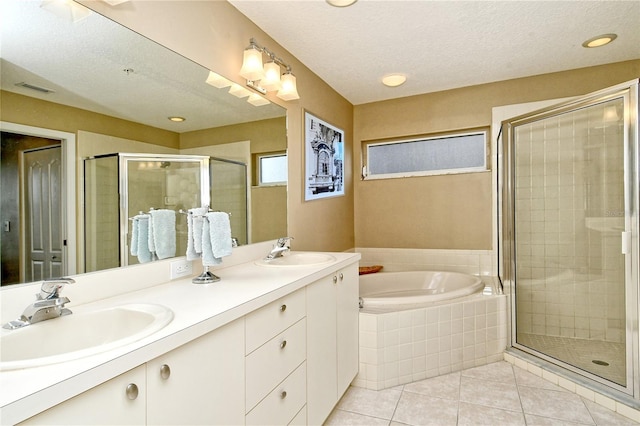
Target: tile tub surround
{"x": 495, "y": 394}
{"x": 411, "y": 345}
{"x": 474, "y": 262}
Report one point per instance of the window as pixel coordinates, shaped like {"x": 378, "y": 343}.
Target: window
{"x": 443, "y": 154}
{"x": 272, "y": 169}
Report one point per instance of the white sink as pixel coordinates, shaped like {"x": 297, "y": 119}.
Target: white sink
{"x": 79, "y": 335}
{"x": 297, "y": 259}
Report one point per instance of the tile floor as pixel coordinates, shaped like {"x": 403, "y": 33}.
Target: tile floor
{"x": 493, "y": 394}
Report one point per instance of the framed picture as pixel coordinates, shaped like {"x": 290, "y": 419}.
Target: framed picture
{"x": 324, "y": 159}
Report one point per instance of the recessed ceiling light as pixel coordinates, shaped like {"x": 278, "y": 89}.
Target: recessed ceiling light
{"x": 394, "y": 80}
{"x": 177, "y": 119}
{"x": 341, "y": 3}
{"x": 600, "y": 40}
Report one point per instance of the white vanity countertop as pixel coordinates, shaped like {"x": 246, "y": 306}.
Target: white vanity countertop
{"x": 198, "y": 309}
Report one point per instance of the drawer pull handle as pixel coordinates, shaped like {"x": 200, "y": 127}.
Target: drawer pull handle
{"x": 283, "y": 308}
{"x": 283, "y": 344}
{"x": 335, "y": 279}
{"x": 341, "y": 276}
{"x": 283, "y": 395}
{"x": 132, "y": 391}
{"x": 165, "y": 371}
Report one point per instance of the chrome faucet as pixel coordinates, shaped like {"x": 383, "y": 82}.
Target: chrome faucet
{"x": 279, "y": 248}
{"x": 49, "y": 304}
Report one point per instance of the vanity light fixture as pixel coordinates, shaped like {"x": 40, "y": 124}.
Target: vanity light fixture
{"x": 263, "y": 78}
{"x": 216, "y": 80}
{"x": 66, "y": 9}
{"x": 600, "y": 40}
{"x": 238, "y": 91}
{"x": 394, "y": 80}
{"x": 257, "y": 100}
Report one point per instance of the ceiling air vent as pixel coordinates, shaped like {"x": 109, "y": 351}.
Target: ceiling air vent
{"x": 34, "y": 87}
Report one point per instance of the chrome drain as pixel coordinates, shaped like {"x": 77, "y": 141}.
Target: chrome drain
{"x": 598, "y": 362}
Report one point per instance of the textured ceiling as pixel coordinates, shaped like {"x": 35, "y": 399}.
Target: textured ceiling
{"x": 441, "y": 45}
{"x": 84, "y": 64}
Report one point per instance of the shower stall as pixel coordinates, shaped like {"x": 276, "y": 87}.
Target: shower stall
{"x": 120, "y": 186}
{"x": 569, "y": 241}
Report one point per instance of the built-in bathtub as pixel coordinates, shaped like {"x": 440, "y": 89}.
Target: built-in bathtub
{"x": 412, "y": 289}
{"x": 420, "y": 324}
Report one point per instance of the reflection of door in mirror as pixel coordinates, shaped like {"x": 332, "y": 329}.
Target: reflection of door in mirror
{"x": 42, "y": 188}
{"x": 18, "y": 239}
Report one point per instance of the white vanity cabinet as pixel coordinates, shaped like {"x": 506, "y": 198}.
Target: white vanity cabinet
{"x": 285, "y": 363}
{"x": 119, "y": 401}
{"x": 200, "y": 383}
{"x": 276, "y": 349}
{"x": 332, "y": 340}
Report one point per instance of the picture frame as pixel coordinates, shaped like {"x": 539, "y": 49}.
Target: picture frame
{"x": 324, "y": 159}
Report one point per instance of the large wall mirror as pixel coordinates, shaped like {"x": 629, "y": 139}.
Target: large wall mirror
{"x": 90, "y": 88}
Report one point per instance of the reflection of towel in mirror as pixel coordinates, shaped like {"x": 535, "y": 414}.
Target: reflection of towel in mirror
{"x": 162, "y": 233}
{"x": 140, "y": 238}
{"x": 216, "y": 238}
{"x": 207, "y": 252}
{"x": 135, "y": 230}
{"x": 220, "y": 231}
{"x": 195, "y": 218}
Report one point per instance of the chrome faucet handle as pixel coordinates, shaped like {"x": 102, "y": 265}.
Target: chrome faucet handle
{"x": 51, "y": 287}
{"x": 283, "y": 241}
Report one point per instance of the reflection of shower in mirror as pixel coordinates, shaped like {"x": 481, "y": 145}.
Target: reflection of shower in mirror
{"x": 141, "y": 182}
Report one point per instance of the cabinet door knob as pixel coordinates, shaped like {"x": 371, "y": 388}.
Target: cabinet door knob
{"x": 283, "y": 395}
{"x": 283, "y": 344}
{"x": 335, "y": 279}
{"x": 341, "y": 276}
{"x": 132, "y": 391}
{"x": 283, "y": 308}
{"x": 165, "y": 371}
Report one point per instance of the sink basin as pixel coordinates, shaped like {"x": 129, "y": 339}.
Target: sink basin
{"x": 79, "y": 335}
{"x": 297, "y": 259}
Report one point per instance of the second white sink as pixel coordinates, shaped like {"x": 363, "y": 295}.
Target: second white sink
{"x": 78, "y": 335}
{"x": 298, "y": 259}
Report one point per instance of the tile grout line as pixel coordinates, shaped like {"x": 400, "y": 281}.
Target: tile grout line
{"x": 396, "y": 407}
{"x": 515, "y": 379}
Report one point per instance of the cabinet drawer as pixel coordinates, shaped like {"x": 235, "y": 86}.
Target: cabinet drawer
{"x": 268, "y": 321}
{"x": 284, "y": 403}
{"x": 272, "y": 362}
{"x": 301, "y": 418}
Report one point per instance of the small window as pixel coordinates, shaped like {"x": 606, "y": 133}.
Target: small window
{"x": 443, "y": 154}
{"x": 272, "y": 169}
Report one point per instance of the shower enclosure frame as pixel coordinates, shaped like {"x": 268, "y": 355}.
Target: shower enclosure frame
{"x": 123, "y": 179}
{"x": 629, "y": 93}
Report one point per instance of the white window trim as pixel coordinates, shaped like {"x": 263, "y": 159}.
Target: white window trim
{"x": 259, "y": 161}
{"x": 483, "y": 168}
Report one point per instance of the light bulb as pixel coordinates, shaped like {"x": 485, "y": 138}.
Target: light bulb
{"x": 271, "y": 80}
{"x": 288, "y": 91}
{"x": 252, "y": 68}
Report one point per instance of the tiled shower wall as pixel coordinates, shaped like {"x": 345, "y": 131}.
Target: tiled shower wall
{"x": 569, "y": 214}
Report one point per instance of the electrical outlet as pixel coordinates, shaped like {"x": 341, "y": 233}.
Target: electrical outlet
{"x": 181, "y": 268}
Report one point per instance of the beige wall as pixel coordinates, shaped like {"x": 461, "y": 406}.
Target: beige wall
{"x": 29, "y": 111}
{"x": 214, "y": 34}
{"x": 454, "y": 211}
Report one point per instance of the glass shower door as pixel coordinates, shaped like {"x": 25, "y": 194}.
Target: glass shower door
{"x": 571, "y": 218}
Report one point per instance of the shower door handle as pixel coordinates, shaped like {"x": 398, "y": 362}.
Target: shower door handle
{"x": 626, "y": 242}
